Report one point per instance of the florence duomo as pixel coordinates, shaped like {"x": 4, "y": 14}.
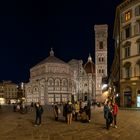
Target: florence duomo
{"x": 55, "y": 81}
{"x": 70, "y": 70}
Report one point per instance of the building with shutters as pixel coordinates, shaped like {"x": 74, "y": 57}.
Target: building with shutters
{"x": 126, "y": 64}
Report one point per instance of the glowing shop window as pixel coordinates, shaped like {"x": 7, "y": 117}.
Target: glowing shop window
{"x": 138, "y": 101}
{"x": 127, "y": 16}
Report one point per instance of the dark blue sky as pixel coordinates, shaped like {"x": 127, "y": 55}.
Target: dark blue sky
{"x": 28, "y": 29}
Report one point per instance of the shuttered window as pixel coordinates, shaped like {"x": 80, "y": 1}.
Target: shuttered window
{"x": 127, "y": 51}
{"x": 137, "y": 28}
{"x": 137, "y": 11}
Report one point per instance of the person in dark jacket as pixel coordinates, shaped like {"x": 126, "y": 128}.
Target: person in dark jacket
{"x": 108, "y": 114}
{"x": 88, "y": 110}
{"x": 65, "y": 111}
{"x": 39, "y": 112}
{"x": 69, "y": 112}
{"x": 56, "y": 111}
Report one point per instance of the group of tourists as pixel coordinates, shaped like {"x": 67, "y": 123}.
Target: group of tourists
{"x": 78, "y": 111}
{"x": 74, "y": 111}
{"x": 20, "y": 107}
{"x": 110, "y": 113}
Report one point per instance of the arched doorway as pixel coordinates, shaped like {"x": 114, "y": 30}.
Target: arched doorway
{"x": 127, "y": 97}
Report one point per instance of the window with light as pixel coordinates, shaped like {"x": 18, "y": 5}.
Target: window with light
{"x": 127, "y": 16}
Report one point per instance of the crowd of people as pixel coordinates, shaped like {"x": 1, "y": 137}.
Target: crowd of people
{"x": 20, "y": 107}
{"x": 77, "y": 111}
{"x": 74, "y": 111}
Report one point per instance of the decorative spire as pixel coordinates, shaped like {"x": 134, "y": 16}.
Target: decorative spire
{"x": 51, "y": 52}
{"x": 89, "y": 58}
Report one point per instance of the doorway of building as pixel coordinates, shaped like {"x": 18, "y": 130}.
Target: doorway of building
{"x": 127, "y": 97}
{"x": 127, "y": 100}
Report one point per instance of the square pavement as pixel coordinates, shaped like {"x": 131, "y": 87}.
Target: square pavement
{"x": 17, "y": 126}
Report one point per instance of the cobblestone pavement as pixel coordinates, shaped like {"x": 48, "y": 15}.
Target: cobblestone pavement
{"x": 17, "y": 126}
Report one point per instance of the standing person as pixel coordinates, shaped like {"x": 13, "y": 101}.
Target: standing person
{"x": 69, "y": 113}
{"x": 39, "y": 112}
{"x": 108, "y": 114}
{"x": 65, "y": 111}
{"x": 56, "y": 112}
{"x": 77, "y": 109}
{"x": 88, "y": 110}
{"x": 32, "y": 106}
{"x": 115, "y": 112}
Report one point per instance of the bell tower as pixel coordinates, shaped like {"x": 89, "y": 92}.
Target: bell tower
{"x": 101, "y": 35}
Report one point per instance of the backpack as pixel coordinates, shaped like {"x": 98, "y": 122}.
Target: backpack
{"x": 69, "y": 109}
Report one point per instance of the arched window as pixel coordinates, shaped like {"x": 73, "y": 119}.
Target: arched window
{"x": 50, "y": 82}
{"x": 29, "y": 90}
{"x": 57, "y": 82}
{"x": 127, "y": 49}
{"x": 127, "y": 89}
{"x": 102, "y": 70}
{"x": 35, "y": 90}
{"x": 102, "y": 59}
{"x": 137, "y": 68}
{"x": 64, "y": 82}
{"x": 127, "y": 67}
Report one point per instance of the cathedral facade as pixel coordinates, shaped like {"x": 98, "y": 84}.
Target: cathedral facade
{"x": 55, "y": 81}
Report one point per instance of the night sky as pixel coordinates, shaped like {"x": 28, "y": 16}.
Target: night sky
{"x": 28, "y": 29}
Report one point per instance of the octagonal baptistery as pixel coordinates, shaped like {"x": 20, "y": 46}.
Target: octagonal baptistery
{"x": 51, "y": 81}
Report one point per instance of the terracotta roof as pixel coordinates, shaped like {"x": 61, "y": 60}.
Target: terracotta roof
{"x": 90, "y": 66}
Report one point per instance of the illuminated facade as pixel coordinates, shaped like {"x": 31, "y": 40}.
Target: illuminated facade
{"x": 101, "y": 35}
{"x": 8, "y": 91}
{"x": 126, "y": 65}
{"x": 53, "y": 80}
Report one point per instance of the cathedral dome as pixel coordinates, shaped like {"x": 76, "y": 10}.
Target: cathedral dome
{"x": 89, "y": 66}
{"x": 51, "y": 65}
{"x": 51, "y": 59}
